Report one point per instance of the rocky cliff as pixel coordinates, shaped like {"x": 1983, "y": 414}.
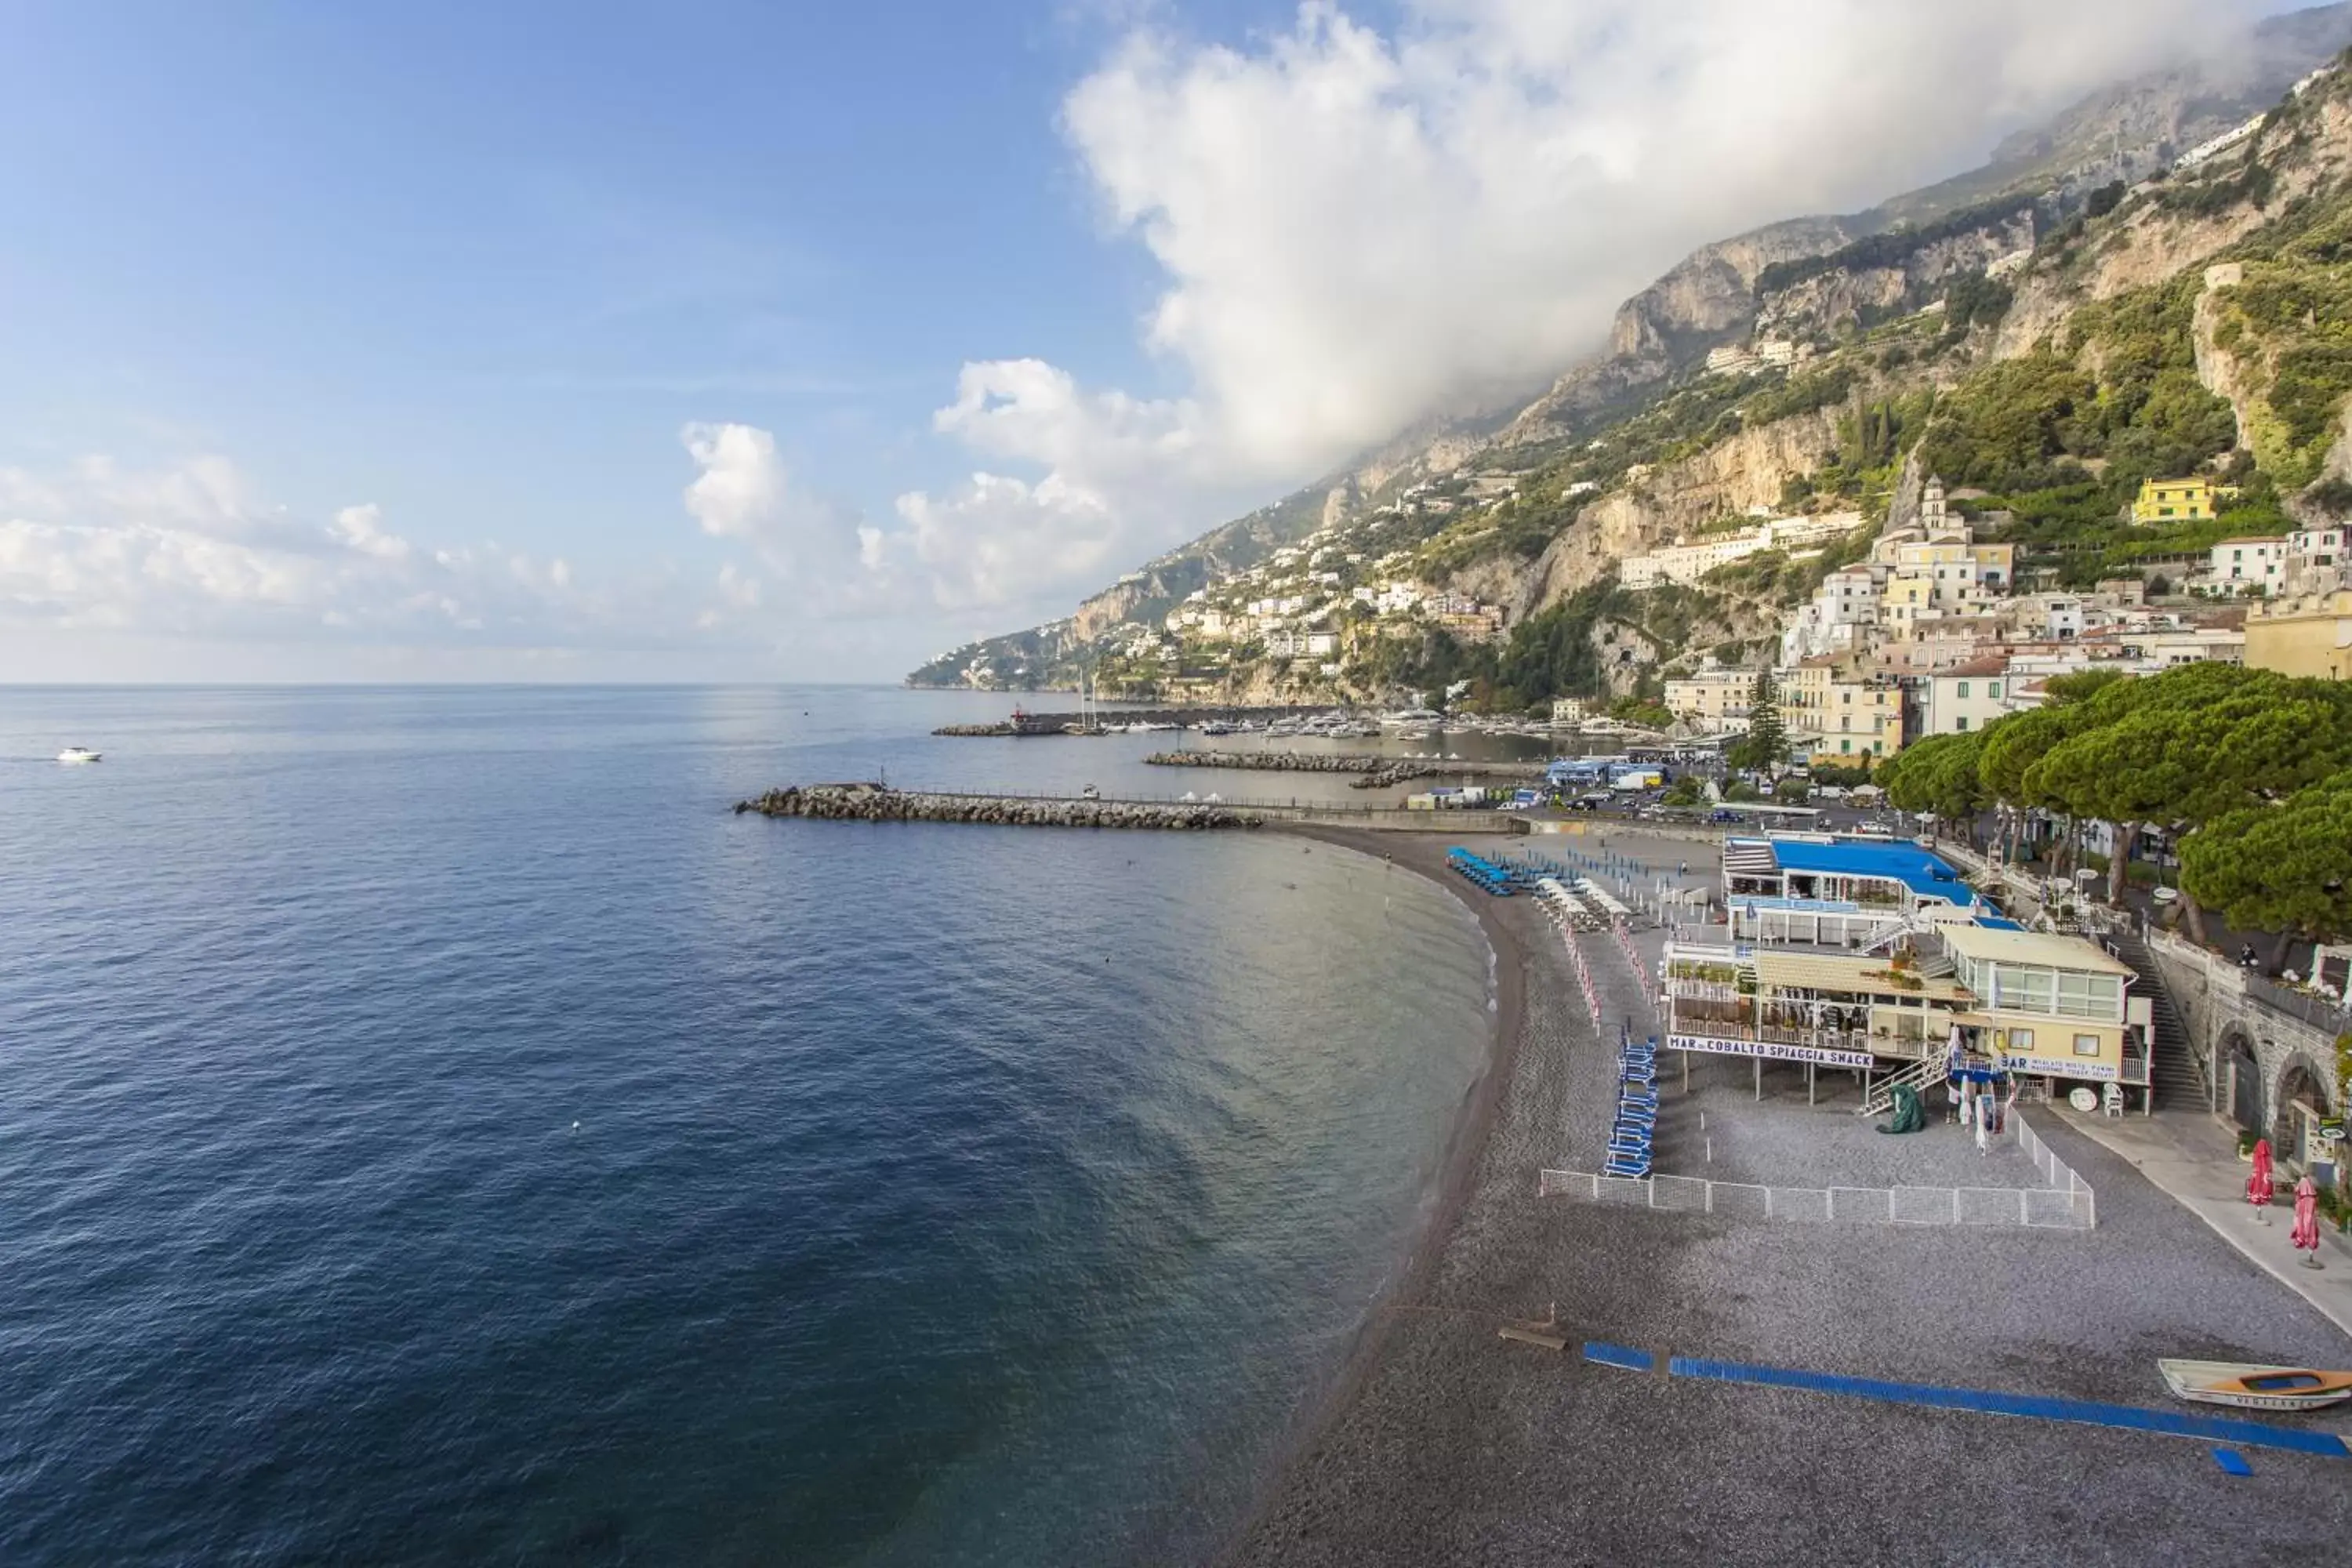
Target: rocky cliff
{"x": 1857, "y": 271}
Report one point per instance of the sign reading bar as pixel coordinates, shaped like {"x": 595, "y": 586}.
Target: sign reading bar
{"x": 1771, "y": 1050}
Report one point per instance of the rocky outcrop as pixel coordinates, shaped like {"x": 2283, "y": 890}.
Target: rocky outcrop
{"x": 1856, "y": 297}
{"x": 1707, "y": 300}
{"x": 2217, "y": 367}
{"x": 877, "y": 802}
{"x": 1749, "y": 469}
{"x": 2306, "y": 150}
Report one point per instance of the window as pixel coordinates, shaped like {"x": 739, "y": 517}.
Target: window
{"x": 1964, "y": 688}
{"x": 2086, "y": 1045}
{"x": 1961, "y": 725}
{"x": 2090, "y": 996}
{"x": 2014, "y": 1040}
{"x": 2022, "y": 990}
{"x": 1992, "y": 689}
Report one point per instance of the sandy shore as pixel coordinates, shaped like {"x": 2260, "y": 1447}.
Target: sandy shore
{"x": 1442, "y": 1444}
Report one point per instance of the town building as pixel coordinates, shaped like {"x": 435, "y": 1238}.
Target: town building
{"x": 2248, "y": 564}
{"x": 1732, "y": 358}
{"x": 2310, "y": 636}
{"x": 2056, "y": 617}
{"x": 1962, "y": 700}
{"x": 1837, "y": 620}
{"x": 1832, "y": 717}
{"x": 1713, "y": 696}
{"x": 2318, "y": 559}
{"x": 1687, "y": 562}
{"x": 2177, "y": 500}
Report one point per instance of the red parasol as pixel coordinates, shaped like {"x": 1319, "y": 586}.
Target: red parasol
{"x": 2305, "y": 1234}
{"x": 2258, "y": 1185}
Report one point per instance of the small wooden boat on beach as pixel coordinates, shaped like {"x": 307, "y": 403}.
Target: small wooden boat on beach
{"x": 2252, "y": 1387}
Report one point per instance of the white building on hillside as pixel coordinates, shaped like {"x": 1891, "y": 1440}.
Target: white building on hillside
{"x": 1959, "y": 700}
{"x": 1686, "y": 564}
{"x": 1836, "y": 620}
{"x": 2242, "y": 565}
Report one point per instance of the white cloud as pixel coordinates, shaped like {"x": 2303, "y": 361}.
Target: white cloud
{"x": 992, "y": 543}
{"x": 998, "y": 541}
{"x": 187, "y": 550}
{"x": 739, "y": 494}
{"x": 1359, "y": 228}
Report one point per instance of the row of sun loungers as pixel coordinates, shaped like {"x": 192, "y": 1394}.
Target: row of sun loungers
{"x": 1499, "y": 880}
{"x": 1637, "y": 1107}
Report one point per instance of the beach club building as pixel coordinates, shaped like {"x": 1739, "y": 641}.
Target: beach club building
{"x": 1869, "y": 956}
{"x": 1879, "y": 878}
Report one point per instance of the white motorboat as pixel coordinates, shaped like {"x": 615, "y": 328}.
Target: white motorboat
{"x": 79, "y": 754}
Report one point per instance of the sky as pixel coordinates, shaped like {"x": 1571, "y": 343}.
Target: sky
{"x": 627, "y": 342}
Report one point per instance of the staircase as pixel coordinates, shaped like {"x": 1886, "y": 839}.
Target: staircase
{"x": 1917, "y": 1076}
{"x": 2179, "y": 1077}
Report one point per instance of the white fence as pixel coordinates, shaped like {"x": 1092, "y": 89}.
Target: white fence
{"x": 2081, "y": 1203}
{"x": 2067, "y": 1203}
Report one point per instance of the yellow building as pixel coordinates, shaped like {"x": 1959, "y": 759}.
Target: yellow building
{"x": 2311, "y": 636}
{"x": 2177, "y": 500}
{"x": 1841, "y": 719}
{"x": 1711, "y": 696}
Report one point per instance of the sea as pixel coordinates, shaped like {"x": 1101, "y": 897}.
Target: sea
{"x": 435, "y": 1128}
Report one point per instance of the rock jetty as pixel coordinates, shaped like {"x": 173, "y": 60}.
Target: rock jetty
{"x": 1379, "y": 773}
{"x": 877, "y": 802}
{"x": 1099, "y": 722}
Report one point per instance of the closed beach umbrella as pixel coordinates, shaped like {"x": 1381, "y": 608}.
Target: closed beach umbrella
{"x": 2258, "y": 1185}
{"x": 2305, "y": 1233}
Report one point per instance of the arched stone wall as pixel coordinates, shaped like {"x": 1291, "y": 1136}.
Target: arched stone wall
{"x": 2247, "y": 1091}
{"x": 2300, "y": 1077}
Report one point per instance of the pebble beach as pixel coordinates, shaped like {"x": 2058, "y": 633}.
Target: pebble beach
{"x": 1442, "y": 1443}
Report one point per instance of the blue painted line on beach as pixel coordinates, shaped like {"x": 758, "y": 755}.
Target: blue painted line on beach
{"x": 2233, "y": 1462}
{"x": 1626, "y": 1356}
{"x": 2079, "y": 1412}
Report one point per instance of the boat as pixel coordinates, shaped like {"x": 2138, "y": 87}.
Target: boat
{"x": 2252, "y": 1387}
{"x": 79, "y": 754}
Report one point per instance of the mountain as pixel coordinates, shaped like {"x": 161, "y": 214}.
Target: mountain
{"x": 1807, "y": 286}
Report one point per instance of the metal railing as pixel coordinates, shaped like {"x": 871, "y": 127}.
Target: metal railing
{"x": 2066, "y": 1204}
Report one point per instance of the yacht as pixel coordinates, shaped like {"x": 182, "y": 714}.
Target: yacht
{"x": 79, "y": 754}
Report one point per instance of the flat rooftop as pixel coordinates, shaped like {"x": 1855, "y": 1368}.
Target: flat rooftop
{"x": 1783, "y": 968}
{"x": 1924, "y": 873}
{"x": 2033, "y": 949}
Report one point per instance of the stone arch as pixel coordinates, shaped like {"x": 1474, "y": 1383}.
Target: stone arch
{"x": 2300, "y": 1079}
{"x": 2236, "y": 1050}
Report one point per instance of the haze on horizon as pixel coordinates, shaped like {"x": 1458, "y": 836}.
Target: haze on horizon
{"x": 416, "y": 344}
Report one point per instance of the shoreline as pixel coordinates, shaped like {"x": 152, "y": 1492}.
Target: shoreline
{"x": 1433, "y": 1441}
{"x": 1465, "y": 1146}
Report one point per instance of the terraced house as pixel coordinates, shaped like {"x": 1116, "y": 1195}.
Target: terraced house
{"x": 1838, "y": 717}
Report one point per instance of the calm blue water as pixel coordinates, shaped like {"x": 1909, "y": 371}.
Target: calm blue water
{"x": 938, "y": 1194}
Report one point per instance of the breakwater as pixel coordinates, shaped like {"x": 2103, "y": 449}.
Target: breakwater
{"x": 1176, "y": 718}
{"x": 1379, "y": 773}
{"x": 1334, "y": 762}
{"x": 877, "y": 802}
